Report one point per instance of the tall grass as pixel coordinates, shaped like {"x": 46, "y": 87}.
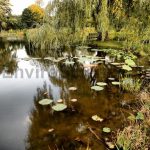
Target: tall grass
{"x": 130, "y": 84}
{"x": 137, "y": 135}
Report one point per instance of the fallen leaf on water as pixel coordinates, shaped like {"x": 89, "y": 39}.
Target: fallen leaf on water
{"x": 110, "y": 145}
{"x": 51, "y": 130}
{"x": 97, "y": 118}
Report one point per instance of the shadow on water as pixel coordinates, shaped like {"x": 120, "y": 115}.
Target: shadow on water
{"x": 70, "y": 127}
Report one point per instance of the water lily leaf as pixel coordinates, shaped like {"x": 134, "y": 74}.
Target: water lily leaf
{"x": 106, "y": 130}
{"x": 69, "y": 62}
{"x": 111, "y": 79}
{"x": 59, "y": 107}
{"x": 101, "y": 83}
{"x": 97, "y": 88}
{"x": 72, "y": 88}
{"x": 130, "y": 62}
{"x": 116, "y": 83}
{"x": 73, "y": 100}
{"x": 140, "y": 116}
{"x": 97, "y": 118}
{"x": 45, "y": 101}
{"x": 59, "y": 101}
{"x": 115, "y": 64}
{"x": 126, "y": 67}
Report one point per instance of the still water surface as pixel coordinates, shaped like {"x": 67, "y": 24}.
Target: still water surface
{"x": 24, "y": 124}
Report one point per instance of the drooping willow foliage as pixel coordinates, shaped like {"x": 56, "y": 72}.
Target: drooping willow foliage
{"x": 69, "y": 22}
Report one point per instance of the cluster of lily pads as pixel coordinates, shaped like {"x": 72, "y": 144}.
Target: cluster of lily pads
{"x": 55, "y": 107}
{"x": 59, "y": 106}
{"x": 119, "y": 54}
{"x": 100, "y": 85}
{"x": 99, "y": 119}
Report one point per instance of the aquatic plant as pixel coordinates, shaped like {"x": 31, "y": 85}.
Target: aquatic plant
{"x": 59, "y": 107}
{"x": 130, "y": 84}
{"x": 45, "y": 101}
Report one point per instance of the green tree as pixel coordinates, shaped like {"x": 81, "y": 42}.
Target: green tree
{"x": 4, "y": 12}
{"x": 32, "y": 16}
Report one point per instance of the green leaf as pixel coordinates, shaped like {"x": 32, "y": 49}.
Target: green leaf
{"x": 97, "y": 88}
{"x": 126, "y": 67}
{"x": 106, "y": 130}
{"x": 45, "y": 101}
{"x": 101, "y": 84}
{"x": 130, "y": 62}
{"x": 116, "y": 83}
{"x": 59, "y": 107}
{"x": 140, "y": 116}
{"x": 132, "y": 117}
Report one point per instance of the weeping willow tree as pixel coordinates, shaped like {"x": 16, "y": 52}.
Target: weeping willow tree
{"x": 4, "y": 12}
{"x": 69, "y": 22}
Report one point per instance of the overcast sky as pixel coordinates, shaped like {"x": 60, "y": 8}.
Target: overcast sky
{"x": 19, "y": 5}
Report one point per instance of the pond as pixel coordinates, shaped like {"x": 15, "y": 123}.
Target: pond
{"x": 24, "y": 80}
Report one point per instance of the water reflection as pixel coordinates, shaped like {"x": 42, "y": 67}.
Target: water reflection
{"x": 25, "y": 124}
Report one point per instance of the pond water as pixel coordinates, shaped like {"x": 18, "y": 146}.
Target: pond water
{"x": 24, "y": 80}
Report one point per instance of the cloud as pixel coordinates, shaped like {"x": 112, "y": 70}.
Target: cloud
{"x": 19, "y": 5}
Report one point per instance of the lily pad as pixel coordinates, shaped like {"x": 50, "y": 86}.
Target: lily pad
{"x": 101, "y": 83}
{"x": 59, "y": 101}
{"x": 73, "y": 100}
{"x": 59, "y": 107}
{"x": 69, "y": 62}
{"x": 97, "y": 88}
{"x": 106, "y": 130}
{"x": 45, "y": 101}
{"x": 111, "y": 79}
{"x": 116, "y": 83}
{"x": 126, "y": 67}
{"x": 115, "y": 64}
{"x": 97, "y": 118}
{"x": 72, "y": 88}
{"x": 130, "y": 62}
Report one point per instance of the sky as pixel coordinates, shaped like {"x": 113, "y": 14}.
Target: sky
{"x": 19, "y": 5}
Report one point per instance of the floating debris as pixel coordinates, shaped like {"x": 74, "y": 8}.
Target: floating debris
{"x": 97, "y": 118}
{"x": 50, "y": 130}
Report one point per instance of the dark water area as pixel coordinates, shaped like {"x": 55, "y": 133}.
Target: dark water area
{"x": 24, "y": 80}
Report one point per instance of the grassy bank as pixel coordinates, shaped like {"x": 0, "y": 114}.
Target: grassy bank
{"x": 136, "y": 136}
{"x": 12, "y": 35}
